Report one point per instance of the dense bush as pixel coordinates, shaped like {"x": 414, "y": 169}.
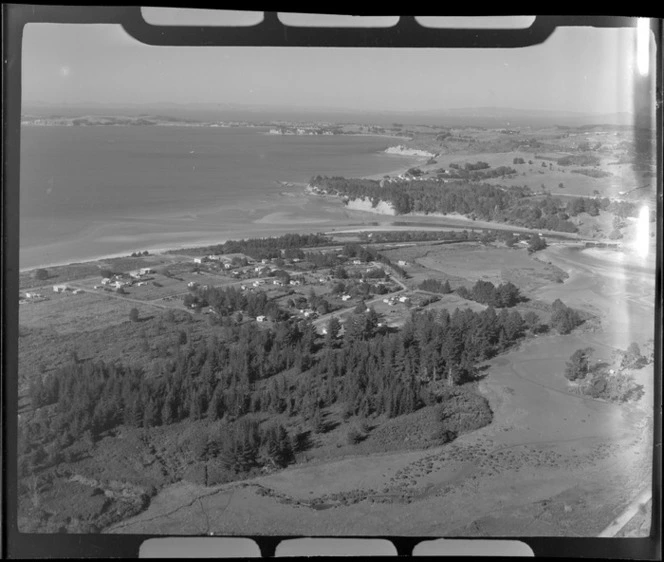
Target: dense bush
{"x": 462, "y": 410}
{"x": 512, "y": 205}
{"x": 436, "y": 286}
{"x": 563, "y": 318}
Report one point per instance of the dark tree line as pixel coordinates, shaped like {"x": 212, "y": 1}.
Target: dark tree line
{"x": 416, "y": 235}
{"x": 267, "y": 248}
{"x": 485, "y": 292}
{"x": 513, "y": 205}
{"x": 436, "y": 286}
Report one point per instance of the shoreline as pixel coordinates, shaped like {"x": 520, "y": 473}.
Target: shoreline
{"x": 454, "y": 221}
{"x": 299, "y": 187}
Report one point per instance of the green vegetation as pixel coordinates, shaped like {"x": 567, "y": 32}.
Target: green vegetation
{"x": 579, "y": 364}
{"x": 265, "y": 248}
{"x": 584, "y": 159}
{"x": 40, "y": 274}
{"x": 505, "y": 295}
{"x": 593, "y": 173}
{"x": 436, "y": 286}
{"x": 513, "y": 205}
{"x": 563, "y": 318}
{"x": 601, "y": 381}
{"x": 536, "y": 243}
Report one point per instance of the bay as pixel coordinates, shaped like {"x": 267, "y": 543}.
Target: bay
{"x": 106, "y": 190}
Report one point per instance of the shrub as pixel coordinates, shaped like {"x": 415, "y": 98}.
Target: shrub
{"x": 354, "y": 436}
{"x": 462, "y": 410}
{"x": 40, "y": 274}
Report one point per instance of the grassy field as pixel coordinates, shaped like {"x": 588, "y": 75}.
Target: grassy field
{"x": 469, "y": 262}
{"x": 68, "y": 313}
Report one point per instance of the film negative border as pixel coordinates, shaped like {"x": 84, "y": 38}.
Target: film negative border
{"x": 271, "y": 32}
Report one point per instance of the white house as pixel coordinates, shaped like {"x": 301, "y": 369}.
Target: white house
{"x": 357, "y": 262}
{"x": 192, "y": 284}
{"x": 146, "y": 270}
{"x": 200, "y": 260}
{"x": 403, "y": 299}
{"x": 402, "y": 263}
{"x": 141, "y": 283}
{"x": 345, "y": 297}
{"x": 260, "y": 318}
{"x": 386, "y": 301}
{"x": 228, "y": 265}
{"x": 60, "y": 288}
{"x": 77, "y": 291}
{"x": 105, "y": 281}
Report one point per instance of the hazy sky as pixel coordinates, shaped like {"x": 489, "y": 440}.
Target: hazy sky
{"x": 577, "y": 69}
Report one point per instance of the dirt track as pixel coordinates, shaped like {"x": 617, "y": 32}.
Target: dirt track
{"x": 551, "y": 463}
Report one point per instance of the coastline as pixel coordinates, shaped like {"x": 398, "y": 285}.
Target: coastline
{"x": 276, "y": 221}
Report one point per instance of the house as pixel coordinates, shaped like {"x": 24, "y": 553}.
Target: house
{"x": 403, "y": 299}
{"x": 228, "y": 265}
{"x": 295, "y": 282}
{"x": 264, "y": 261}
{"x": 105, "y": 281}
{"x": 277, "y": 282}
{"x": 402, "y": 263}
{"x": 60, "y": 288}
{"x": 260, "y": 318}
{"x": 296, "y": 260}
{"x": 200, "y": 260}
{"x": 146, "y": 270}
{"x": 119, "y": 284}
{"x": 386, "y": 301}
{"x": 192, "y": 284}
{"x": 33, "y": 295}
{"x": 345, "y": 297}
{"x": 134, "y": 275}
{"x": 357, "y": 262}
{"x": 323, "y": 331}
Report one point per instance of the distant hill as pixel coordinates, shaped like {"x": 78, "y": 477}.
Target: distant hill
{"x": 490, "y": 117}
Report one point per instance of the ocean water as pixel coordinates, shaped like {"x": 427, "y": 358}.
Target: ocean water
{"x": 91, "y": 191}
